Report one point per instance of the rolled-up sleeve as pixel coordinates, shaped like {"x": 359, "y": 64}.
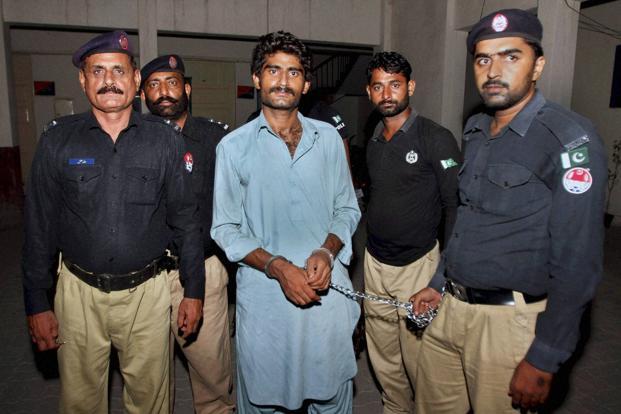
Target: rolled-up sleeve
{"x": 346, "y": 211}
{"x": 228, "y": 210}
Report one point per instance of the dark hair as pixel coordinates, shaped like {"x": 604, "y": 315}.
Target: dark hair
{"x": 389, "y": 62}
{"x": 536, "y": 48}
{"x": 280, "y": 42}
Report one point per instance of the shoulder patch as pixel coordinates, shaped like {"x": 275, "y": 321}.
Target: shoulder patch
{"x": 567, "y": 130}
{"x": 220, "y": 124}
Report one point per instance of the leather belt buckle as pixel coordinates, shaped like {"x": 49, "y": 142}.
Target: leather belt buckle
{"x": 103, "y": 282}
{"x": 458, "y": 291}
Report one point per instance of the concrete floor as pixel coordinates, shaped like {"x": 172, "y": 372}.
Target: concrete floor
{"x": 29, "y": 381}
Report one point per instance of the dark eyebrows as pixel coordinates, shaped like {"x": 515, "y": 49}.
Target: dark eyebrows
{"x": 298, "y": 68}
{"x": 501, "y": 53}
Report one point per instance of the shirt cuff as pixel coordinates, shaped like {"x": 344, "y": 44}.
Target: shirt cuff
{"x": 438, "y": 281}
{"x": 194, "y": 288}
{"x": 544, "y": 357}
{"x": 340, "y": 231}
{"x": 242, "y": 247}
{"x": 36, "y": 301}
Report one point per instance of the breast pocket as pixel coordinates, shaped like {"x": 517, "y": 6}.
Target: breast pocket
{"x": 80, "y": 185}
{"x": 509, "y": 188}
{"x": 142, "y": 185}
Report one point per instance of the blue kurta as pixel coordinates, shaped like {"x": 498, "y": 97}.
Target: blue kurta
{"x": 265, "y": 199}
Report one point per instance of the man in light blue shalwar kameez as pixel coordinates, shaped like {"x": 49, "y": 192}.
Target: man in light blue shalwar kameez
{"x": 285, "y": 209}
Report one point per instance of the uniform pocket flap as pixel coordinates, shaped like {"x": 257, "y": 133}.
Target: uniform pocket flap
{"x": 82, "y": 173}
{"x": 143, "y": 174}
{"x": 508, "y": 175}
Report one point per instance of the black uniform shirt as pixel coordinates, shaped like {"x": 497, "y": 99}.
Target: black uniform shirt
{"x": 108, "y": 206}
{"x": 413, "y": 181}
{"x": 201, "y": 135}
{"x": 531, "y": 218}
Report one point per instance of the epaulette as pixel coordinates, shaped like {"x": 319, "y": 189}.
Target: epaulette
{"x": 220, "y": 124}
{"x": 159, "y": 119}
{"x": 63, "y": 120}
{"x": 567, "y": 130}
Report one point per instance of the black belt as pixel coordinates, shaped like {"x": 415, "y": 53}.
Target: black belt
{"x": 487, "y": 296}
{"x": 107, "y": 282}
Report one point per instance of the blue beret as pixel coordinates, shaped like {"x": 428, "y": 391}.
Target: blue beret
{"x": 110, "y": 42}
{"x": 506, "y": 23}
{"x": 166, "y": 63}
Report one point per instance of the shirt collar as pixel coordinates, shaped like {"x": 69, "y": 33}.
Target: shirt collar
{"x": 403, "y": 128}
{"x": 519, "y": 124}
{"x": 308, "y": 128}
{"x": 524, "y": 118}
{"x": 190, "y": 128}
{"x": 91, "y": 120}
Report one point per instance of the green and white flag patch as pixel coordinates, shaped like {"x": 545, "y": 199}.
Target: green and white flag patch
{"x": 446, "y": 164}
{"x": 575, "y": 157}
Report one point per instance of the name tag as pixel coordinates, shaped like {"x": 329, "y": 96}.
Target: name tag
{"x": 81, "y": 161}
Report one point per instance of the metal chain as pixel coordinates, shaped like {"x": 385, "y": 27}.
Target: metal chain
{"x": 420, "y": 321}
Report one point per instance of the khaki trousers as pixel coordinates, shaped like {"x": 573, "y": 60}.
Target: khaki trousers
{"x": 209, "y": 355}
{"x": 135, "y": 321}
{"x": 393, "y": 348}
{"x": 469, "y": 354}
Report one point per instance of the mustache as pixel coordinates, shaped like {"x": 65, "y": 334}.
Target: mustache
{"x": 282, "y": 89}
{"x": 495, "y": 83}
{"x": 109, "y": 88}
{"x": 165, "y": 98}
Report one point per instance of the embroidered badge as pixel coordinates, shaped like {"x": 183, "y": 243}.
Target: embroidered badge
{"x": 446, "y": 164}
{"x": 500, "y": 23}
{"x": 123, "y": 42}
{"x": 172, "y": 62}
{"x": 189, "y": 161}
{"x": 81, "y": 161}
{"x": 575, "y": 157}
{"x": 577, "y": 180}
{"x": 411, "y": 157}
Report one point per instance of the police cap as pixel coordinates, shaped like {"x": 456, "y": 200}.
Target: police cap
{"x": 110, "y": 42}
{"x": 166, "y": 63}
{"x": 506, "y": 23}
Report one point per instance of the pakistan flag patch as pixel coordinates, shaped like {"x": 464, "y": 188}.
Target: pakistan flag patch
{"x": 575, "y": 157}
{"x": 446, "y": 164}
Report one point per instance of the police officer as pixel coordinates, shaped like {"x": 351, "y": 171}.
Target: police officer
{"x": 413, "y": 164}
{"x": 525, "y": 256}
{"x": 166, "y": 94}
{"x": 105, "y": 189}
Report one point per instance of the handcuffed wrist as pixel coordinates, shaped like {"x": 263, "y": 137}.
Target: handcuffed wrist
{"x": 269, "y": 262}
{"x": 326, "y": 251}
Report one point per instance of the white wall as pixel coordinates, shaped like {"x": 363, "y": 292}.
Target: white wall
{"x": 593, "y": 80}
{"x": 58, "y": 69}
{"x": 320, "y": 20}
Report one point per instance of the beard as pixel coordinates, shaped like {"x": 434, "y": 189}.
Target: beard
{"x": 504, "y": 99}
{"x": 396, "y": 109}
{"x": 172, "y": 112}
{"x": 267, "y": 100}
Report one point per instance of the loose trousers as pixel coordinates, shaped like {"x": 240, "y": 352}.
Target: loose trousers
{"x": 469, "y": 354}
{"x": 341, "y": 403}
{"x": 209, "y": 355}
{"x": 135, "y": 321}
{"x": 393, "y": 348}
